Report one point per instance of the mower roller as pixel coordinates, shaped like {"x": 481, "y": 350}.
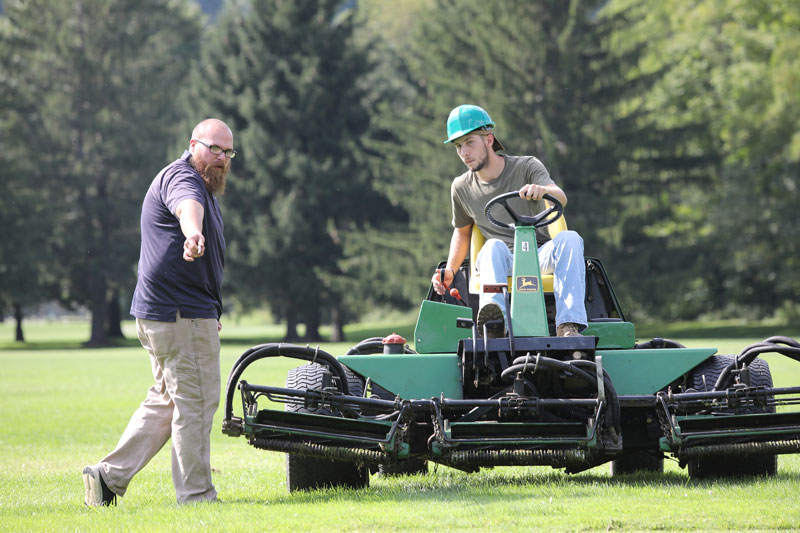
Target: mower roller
{"x": 528, "y": 398}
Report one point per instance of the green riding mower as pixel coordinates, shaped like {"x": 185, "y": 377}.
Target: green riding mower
{"x": 467, "y": 400}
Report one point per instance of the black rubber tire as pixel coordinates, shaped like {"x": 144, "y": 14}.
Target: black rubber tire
{"x": 706, "y": 373}
{"x": 749, "y": 466}
{"x": 309, "y": 473}
{"x": 637, "y": 461}
{"x": 745, "y": 466}
{"x": 405, "y": 468}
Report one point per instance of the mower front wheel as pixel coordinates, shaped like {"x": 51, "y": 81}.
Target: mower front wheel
{"x": 749, "y": 466}
{"x": 405, "y": 468}
{"x": 637, "y": 461}
{"x": 308, "y": 473}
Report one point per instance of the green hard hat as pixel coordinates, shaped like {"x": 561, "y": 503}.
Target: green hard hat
{"x": 468, "y": 118}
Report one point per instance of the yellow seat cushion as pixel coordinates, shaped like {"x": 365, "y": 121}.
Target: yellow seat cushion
{"x": 477, "y": 241}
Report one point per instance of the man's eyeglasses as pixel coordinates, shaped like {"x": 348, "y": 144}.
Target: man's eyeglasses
{"x": 230, "y": 153}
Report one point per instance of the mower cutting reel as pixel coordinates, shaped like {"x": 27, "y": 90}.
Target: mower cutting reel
{"x": 467, "y": 402}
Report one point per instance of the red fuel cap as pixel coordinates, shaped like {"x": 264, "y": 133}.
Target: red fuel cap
{"x": 393, "y": 344}
{"x": 394, "y": 338}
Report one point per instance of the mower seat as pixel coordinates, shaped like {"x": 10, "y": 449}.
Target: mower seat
{"x": 477, "y": 240}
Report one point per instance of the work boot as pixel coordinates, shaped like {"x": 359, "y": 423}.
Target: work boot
{"x": 487, "y": 314}
{"x": 96, "y": 492}
{"x": 568, "y": 329}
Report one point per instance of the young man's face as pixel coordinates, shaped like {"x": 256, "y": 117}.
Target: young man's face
{"x": 473, "y": 149}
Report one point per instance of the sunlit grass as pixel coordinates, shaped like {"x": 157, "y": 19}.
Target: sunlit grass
{"x": 64, "y": 406}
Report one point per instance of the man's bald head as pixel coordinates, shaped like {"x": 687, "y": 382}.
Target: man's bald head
{"x": 210, "y": 127}
{"x": 211, "y": 134}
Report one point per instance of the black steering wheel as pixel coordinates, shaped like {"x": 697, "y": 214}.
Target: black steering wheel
{"x": 537, "y": 221}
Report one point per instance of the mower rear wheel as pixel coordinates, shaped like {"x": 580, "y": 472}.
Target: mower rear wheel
{"x": 748, "y": 466}
{"x": 637, "y": 461}
{"x": 307, "y": 473}
{"x": 703, "y": 378}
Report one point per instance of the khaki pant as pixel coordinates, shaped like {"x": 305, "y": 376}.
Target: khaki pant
{"x": 181, "y": 404}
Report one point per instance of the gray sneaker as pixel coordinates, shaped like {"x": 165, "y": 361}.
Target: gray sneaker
{"x": 490, "y": 314}
{"x": 96, "y": 492}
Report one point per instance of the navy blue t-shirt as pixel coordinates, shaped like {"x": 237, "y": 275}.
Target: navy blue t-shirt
{"x": 166, "y": 282}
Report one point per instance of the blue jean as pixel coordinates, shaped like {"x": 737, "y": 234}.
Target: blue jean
{"x": 562, "y": 257}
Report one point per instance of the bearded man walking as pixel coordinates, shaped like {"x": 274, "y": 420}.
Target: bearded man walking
{"x": 177, "y": 305}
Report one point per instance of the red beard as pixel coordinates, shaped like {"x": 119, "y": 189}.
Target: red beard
{"x": 213, "y": 176}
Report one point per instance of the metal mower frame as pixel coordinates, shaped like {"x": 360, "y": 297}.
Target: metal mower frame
{"x": 529, "y": 398}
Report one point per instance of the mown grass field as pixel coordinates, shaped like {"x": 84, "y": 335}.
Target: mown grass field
{"x": 63, "y": 406}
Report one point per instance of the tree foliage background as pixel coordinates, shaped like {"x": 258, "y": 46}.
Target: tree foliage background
{"x": 541, "y": 71}
{"x": 714, "y": 224}
{"x": 94, "y": 81}
{"x": 673, "y": 126}
{"x": 293, "y": 81}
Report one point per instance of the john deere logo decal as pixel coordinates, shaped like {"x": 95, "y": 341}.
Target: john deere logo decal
{"x": 527, "y": 284}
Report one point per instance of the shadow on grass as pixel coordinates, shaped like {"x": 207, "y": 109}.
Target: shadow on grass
{"x": 358, "y": 332}
{"x": 687, "y": 330}
{"x": 445, "y": 486}
{"x": 353, "y": 336}
{"x": 68, "y": 345}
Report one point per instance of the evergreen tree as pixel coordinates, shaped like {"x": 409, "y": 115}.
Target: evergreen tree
{"x": 751, "y": 52}
{"x": 542, "y": 71}
{"x": 26, "y": 269}
{"x": 101, "y": 76}
{"x": 666, "y": 159}
{"x": 290, "y": 78}
{"x": 713, "y": 169}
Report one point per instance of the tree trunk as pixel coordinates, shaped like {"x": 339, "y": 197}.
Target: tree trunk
{"x": 18, "y": 317}
{"x": 338, "y": 322}
{"x": 312, "y": 325}
{"x": 99, "y": 309}
{"x": 291, "y": 327}
{"x": 114, "y": 316}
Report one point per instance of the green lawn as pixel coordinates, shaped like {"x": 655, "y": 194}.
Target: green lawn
{"x": 64, "y": 407}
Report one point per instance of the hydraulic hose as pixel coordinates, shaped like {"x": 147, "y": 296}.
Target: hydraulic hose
{"x": 367, "y": 346}
{"x": 790, "y": 348}
{"x": 263, "y": 351}
{"x": 658, "y": 342}
{"x": 611, "y": 393}
{"x": 588, "y": 373}
{"x": 373, "y": 345}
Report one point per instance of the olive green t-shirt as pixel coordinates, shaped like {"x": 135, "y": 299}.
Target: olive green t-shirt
{"x": 469, "y": 195}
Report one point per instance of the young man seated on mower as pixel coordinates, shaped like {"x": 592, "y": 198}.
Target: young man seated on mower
{"x": 489, "y": 174}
